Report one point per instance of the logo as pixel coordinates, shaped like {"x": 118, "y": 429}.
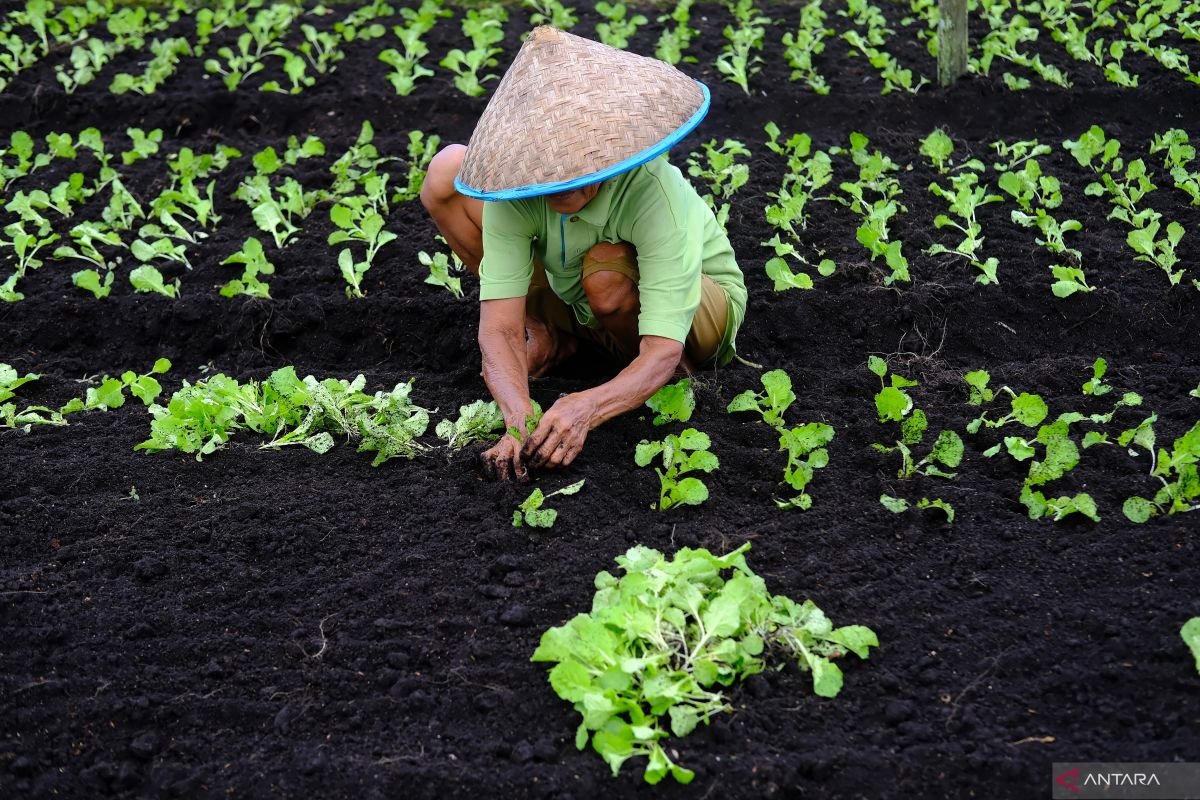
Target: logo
{"x": 1067, "y": 780}
{"x": 1108, "y": 780}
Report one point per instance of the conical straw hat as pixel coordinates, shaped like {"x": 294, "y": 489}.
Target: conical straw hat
{"x": 570, "y": 112}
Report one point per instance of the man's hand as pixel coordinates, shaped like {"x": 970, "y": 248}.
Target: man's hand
{"x": 503, "y": 461}
{"x": 560, "y": 435}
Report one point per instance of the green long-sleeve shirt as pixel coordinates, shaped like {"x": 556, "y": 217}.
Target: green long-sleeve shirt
{"x": 654, "y": 208}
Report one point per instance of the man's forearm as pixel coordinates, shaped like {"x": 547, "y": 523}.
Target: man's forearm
{"x": 655, "y": 365}
{"x": 506, "y": 373}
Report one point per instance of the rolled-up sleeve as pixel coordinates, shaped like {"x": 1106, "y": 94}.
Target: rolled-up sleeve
{"x": 670, "y": 256}
{"x": 507, "y": 265}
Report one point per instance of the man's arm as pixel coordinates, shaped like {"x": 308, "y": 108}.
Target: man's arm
{"x": 560, "y": 435}
{"x": 506, "y": 373}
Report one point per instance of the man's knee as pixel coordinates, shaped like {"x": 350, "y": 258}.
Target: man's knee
{"x": 610, "y": 293}
{"x": 612, "y": 251}
{"x": 438, "y": 186}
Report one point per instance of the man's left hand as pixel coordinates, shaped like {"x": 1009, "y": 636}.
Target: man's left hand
{"x": 561, "y": 433}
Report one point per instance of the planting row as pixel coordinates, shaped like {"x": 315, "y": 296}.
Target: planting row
{"x": 294, "y": 44}
{"x": 201, "y": 418}
{"x": 360, "y": 192}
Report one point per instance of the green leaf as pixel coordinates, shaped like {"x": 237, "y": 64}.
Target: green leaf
{"x": 978, "y": 383}
{"x": 826, "y": 676}
{"x": 674, "y": 402}
{"x": 1139, "y": 509}
{"x": 1190, "y": 633}
{"x": 940, "y": 504}
{"x": 892, "y": 404}
{"x": 1029, "y": 409}
{"x": 896, "y": 505}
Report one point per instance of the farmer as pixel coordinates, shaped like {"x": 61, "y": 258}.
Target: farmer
{"x": 588, "y": 233}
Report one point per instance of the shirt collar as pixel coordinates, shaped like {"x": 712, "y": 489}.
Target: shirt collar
{"x": 595, "y": 213}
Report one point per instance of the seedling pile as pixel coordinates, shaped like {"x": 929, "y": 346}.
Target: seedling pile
{"x": 661, "y": 642}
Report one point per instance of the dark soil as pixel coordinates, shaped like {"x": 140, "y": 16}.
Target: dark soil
{"x": 286, "y": 624}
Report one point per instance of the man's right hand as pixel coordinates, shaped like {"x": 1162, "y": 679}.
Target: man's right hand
{"x": 503, "y": 461}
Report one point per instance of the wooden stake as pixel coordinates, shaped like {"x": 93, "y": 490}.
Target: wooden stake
{"x": 952, "y": 40}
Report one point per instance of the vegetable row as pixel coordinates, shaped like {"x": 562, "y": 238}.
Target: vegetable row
{"x": 201, "y": 418}
{"x": 364, "y": 186}
{"x": 293, "y": 45}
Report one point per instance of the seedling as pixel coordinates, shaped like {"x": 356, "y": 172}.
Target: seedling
{"x": 406, "y": 65}
{"x": 738, "y": 61}
{"x": 1178, "y": 159}
{"x": 531, "y": 512}
{"x": 651, "y": 657}
{"x": 674, "y": 402}
{"x": 254, "y": 263}
{"x": 805, "y": 446}
{"x": 110, "y": 393}
{"x": 90, "y": 280}
{"x": 440, "y": 270}
{"x": 720, "y": 170}
{"x": 1027, "y": 409}
{"x": 898, "y": 505}
{"x": 874, "y": 232}
{"x": 1056, "y": 508}
{"x": 553, "y": 13}
{"x": 11, "y": 380}
{"x": 687, "y": 452}
{"x": 1160, "y": 252}
{"x": 1175, "y": 469}
{"x": 26, "y": 239}
{"x": 947, "y": 449}
{"x": 144, "y": 144}
{"x": 770, "y": 403}
{"x": 1096, "y": 386}
{"x": 1190, "y": 633}
{"x": 977, "y": 383}
{"x": 892, "y": 403}
{"x": 808, "y": 42}
{"x": 965, "y": 197}
{"x": 618, "y": 27}
{"x": 147, "y": 278}
{"x": 674, "y": 41}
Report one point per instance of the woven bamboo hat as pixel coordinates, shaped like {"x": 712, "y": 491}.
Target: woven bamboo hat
{"x": 570, "y": 112}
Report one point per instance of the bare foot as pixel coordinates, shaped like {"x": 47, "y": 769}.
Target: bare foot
{"x": 545, "y": 347}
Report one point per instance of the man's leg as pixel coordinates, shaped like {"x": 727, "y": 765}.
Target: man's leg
{"x": 610, "y": 284}
{"x": 613, "y": 295}
{"x": 460, "y": 220}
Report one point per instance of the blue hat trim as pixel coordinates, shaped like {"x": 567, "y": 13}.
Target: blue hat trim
{"x": 536, "y": 189}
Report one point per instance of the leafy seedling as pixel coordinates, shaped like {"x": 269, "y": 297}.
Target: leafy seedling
{"x": 805, "y": 446}
{"x": 1027, "y": 409}
{"x": 687, "y": 452}
{"x": 1096, "y": 386}
{"x": 111, "y": 391}
{"x": 674, "y": 402}
{"x": 977, "y": 383}
{"x": 1175, "y": 469}
{"x": 531, "y": 512}
{"x": 147, "y": 278}
{"x": 892, "y": 403}
{"x": 898, "y": 505}
{"x": 440, "y": 270}
{"x": 1190, "y": 633}
{"x": 771, "y": 403}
